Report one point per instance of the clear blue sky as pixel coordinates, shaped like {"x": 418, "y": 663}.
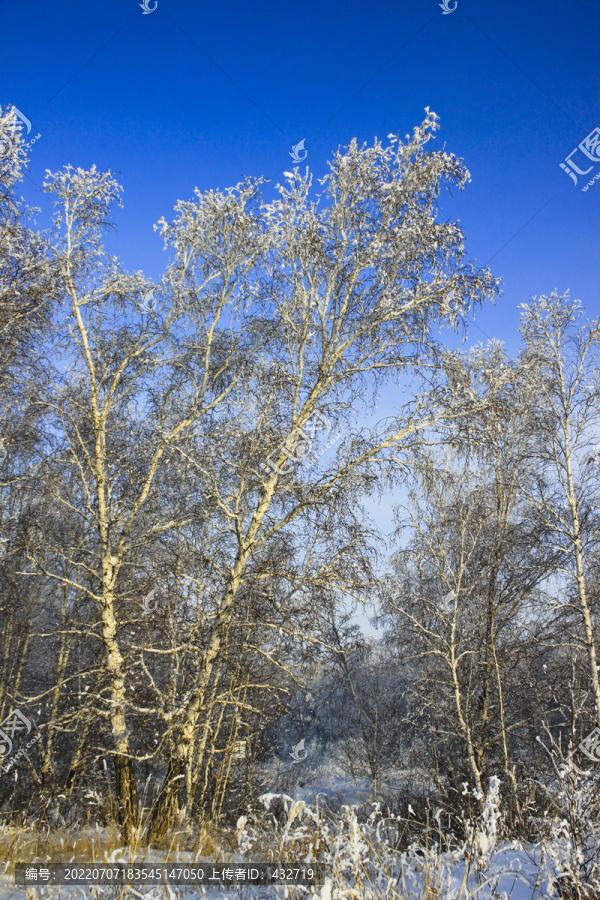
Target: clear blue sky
{"x": 200, "y": 94}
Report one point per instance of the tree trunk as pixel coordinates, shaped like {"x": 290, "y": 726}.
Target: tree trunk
{"x": 127, "y": 802}
{"x": 581, "y": 586}
{"x": 161, "y": 816}
{"x": 166, "y": 805}
{"x": 464, "y": 725}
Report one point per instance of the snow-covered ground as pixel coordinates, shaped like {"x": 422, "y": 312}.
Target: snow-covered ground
{"x": 321, "y": 818}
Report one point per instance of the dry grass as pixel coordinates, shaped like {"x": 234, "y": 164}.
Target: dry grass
{"x": 74, "y": 843}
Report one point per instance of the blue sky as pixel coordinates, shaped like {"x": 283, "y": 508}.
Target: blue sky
{"x": 199, "y": 94}
{"x": 203, "y": 94}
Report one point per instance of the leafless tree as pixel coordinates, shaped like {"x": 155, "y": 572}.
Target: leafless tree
{"x": 469, "y": 575}
{"x": 562, "y": 354}
{"x": 348, "y": 295}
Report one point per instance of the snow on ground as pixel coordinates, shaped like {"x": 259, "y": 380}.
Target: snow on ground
{"x": 358, "y": 863}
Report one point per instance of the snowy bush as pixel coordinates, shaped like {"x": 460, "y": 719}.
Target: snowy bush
{"x": 570, "y": 841}
{"x": 361, "y": 858}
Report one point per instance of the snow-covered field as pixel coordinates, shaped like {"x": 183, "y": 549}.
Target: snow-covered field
{"x": 359, "y": 861}
{"x": 319, "y": 817}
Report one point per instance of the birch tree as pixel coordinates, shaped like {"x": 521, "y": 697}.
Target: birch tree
{"x": 562, "y": 353}
{"x": 27, "y": 299}
{"x": 354, "y": 286}
{"x": 163, "y": 373}
{"x": 469, "y": 575}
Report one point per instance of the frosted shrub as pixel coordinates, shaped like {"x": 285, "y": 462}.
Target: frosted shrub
{"x": 482, "y": 836}
{"x": 362, "y": 860}
{"x": 571, "y": 842}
